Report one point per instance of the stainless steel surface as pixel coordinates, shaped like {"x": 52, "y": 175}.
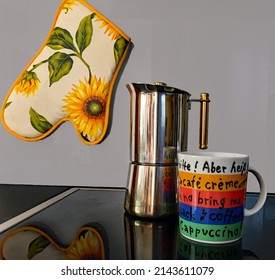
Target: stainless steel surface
{"x": 158, "y": 123}
{"x": 151, "y": 190}
{"x": 158, "y": 131}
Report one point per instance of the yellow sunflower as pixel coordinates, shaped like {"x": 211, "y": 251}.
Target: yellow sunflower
{"x": 87, "y": 247}
{"x": 28, "y": 84}
{"x": 68, "y": 5}
{"x": 110, "y": 31}
{"x": 86, "y": 107}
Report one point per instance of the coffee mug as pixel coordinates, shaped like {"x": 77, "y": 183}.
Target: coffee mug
{"x": 212, "y": 190}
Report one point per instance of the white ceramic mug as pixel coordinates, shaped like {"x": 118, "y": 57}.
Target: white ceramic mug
{"x": 212, "y": 192}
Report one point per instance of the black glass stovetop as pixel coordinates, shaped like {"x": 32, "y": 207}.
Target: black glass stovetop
{"x": 129, "y": 237}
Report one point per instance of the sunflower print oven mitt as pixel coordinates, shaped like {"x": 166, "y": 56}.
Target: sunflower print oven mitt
{"x": 71, "y": 78}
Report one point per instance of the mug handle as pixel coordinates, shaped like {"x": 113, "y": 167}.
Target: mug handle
{"x": 262, "y": 196}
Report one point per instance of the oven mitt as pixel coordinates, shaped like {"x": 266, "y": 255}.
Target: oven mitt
{"x": 70, "y": 78}
{"x": 31, "y": 243}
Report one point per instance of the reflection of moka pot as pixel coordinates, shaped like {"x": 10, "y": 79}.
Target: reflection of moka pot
{"x": 158, "y": 131}
{"x": 150, "y": 239}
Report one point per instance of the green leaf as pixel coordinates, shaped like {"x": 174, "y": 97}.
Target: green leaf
{"x": 8, "y": 104}
{"x": 84, "y": 33}
{"x": 119, "y": 48}
{"x": 37, "y": 246}
{"x": 61, "y": 39}
{"x": 59, "y": 65}
{"x": 38, "y": 122}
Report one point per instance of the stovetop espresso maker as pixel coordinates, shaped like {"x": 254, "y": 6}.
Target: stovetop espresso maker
{"x": 158, "y": 131}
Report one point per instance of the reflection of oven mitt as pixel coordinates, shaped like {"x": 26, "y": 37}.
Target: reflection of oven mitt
{"x": 31, "y": 243}
{"x": 70, "y": 78}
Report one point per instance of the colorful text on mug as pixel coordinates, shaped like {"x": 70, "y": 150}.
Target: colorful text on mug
{"x": 211, "y": 192}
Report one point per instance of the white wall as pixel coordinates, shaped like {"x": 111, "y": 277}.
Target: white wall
{"x": 226, "y": 48}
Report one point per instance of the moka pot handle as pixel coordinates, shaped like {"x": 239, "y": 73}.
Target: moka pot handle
{"x": 204, "y": 118}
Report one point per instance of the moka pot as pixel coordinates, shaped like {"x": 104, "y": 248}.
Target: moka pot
{"x": 158, "y": 131}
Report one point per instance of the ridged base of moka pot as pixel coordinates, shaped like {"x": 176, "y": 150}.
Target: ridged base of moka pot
{"x": 151, "y": 191}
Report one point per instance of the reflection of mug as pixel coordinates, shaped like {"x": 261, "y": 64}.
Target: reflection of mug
{"x": 212, "y": 191}
{"x": 191, "y": 250}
